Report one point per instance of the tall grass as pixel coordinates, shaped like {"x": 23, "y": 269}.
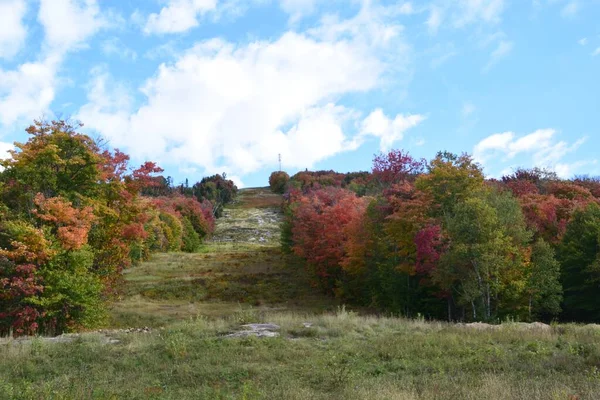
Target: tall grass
{"x": 341, "y": 355}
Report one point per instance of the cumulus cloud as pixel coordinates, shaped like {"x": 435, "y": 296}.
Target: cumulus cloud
{"x": 69, "y": 23}
{"x": 12, "y": 30}
{"x": 542, "y": 146}
{"x": 28, "y": 90}
{"x": 388, "y": 130}
{"x": 178, "y": 16}
{"x": 221, "y": 106}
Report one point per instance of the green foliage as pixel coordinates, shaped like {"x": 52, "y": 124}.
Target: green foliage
{"x": 173, "y": 231}
{"x": 544, "y": 285}
{"x": 579, "y": 255}
{"x": 218, "y": 190}
{"x": 72, "y": 296}
{"x": 190, "y": 239}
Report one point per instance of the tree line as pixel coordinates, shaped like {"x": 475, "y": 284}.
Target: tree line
{"x": 436, "y": 238}
{"x": 74, "y": 214}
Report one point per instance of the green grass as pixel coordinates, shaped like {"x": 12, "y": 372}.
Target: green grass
{"x": 342, "y": 355}
{"x": 218, "y": 281}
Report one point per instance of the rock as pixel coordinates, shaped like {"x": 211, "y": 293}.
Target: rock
{"x": 257, "y": 330}
{"x": 480, "y": 326}
{"x": 534, "y": 326}
{"x": 242, "y": 334}
{"x": 262, "y": 327}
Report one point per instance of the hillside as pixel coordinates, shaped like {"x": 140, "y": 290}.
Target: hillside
{"x": 199, "y": 345}
{"x": 240, "y": 268}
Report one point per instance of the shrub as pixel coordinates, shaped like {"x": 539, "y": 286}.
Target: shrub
{"x": 278, "y": 181}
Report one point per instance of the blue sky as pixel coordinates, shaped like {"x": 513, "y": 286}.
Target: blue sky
{"x": 206, "y": 86}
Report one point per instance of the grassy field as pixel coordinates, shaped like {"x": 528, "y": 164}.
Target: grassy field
{"x": 341, "y": 355}
{"x": 192, "y": 302}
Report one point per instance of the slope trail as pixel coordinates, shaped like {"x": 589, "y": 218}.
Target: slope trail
{"x": 254, "y": 217}
{"x": 240, "y": 268}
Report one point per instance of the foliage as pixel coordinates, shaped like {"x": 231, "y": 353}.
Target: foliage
{"x": 439, "y": 232}
{"x": 73, "y": 218}
{"x": 218, "y": 190}
{"x": 579, "y": 255}
{"x": 278, "y": 181}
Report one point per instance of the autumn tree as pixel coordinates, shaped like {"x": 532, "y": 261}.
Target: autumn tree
{"x": 319, "y": 236}
{"x": 278, "y": 181}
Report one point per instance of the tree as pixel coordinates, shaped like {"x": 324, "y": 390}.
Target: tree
{"x": 319, "y": 235}
{"x": 396, "y": 166}
{"x": 544, "y": 287}
{"x": 450, "y": 180}
{"x": 484, "y": 258}
{"x": 579, "y": 257}
{"x": 278, "y": 181}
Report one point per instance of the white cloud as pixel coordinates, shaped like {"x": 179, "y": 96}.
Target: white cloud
{"x": 471, "y": 11}
{"x": 27, "y": 91}
{"x": 221, "y": 106}
{"x": 115, "y": 46}
{"x": 12, "y": 30}
{"x": 461, "y": 13}
{"x": 542, "y": 146}
{"x": 570, "y": 9}
{"x": 502, "y": 50}
{"x": 298, "y": 8}
{"x": 568, "y": 170}
{"x": 178, "y": 16}
{"x": 4, "y": 150}
{"x": 69, "y": 23}
{"x": 596, "y": 52}
{"x": 387, "y": 130}
{"x": 582, "y": 41}
{"x": 435, "y": 20}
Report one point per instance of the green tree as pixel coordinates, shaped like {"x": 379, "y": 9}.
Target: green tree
{"x": 579, "y": 256}
{"x": 487, "y": 234}
{"x": 543, "y": 285}
{"x": 450, "y": 180}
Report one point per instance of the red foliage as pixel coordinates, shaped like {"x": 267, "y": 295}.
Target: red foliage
{"x": 522, "y": 187}
{"x": 396, "y": 166}
{"x": 200, "y": 214}
{"x": 72, "y": 224}
{"x": 16, "y": 285}
{"x": 143, "y": 176}
{"x": 114, "y": 166}
{"x": 319, "y": 228}
{"x": 430, "y": 246}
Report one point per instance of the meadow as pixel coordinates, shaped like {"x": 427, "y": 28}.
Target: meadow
{"x": 192, "y": 302}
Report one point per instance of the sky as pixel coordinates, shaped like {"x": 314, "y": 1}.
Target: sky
{"x": 212, "y": 86}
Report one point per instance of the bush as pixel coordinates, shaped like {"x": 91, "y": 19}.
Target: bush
{"x": 278, "y": 181}
{"x": 191, "y": 240}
